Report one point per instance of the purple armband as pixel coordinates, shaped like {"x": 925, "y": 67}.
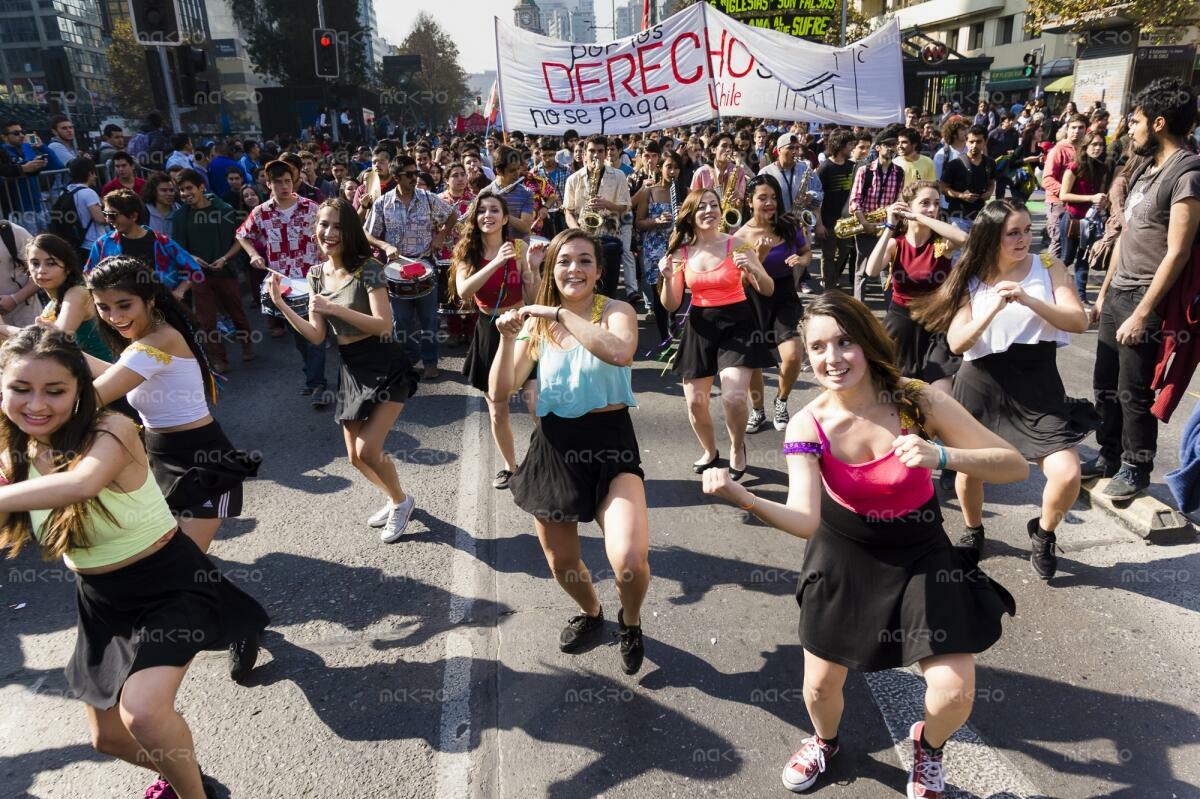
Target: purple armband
{"x": 802, "y": 448}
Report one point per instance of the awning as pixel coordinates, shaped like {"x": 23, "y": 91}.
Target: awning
{"x": 1064, "y": 84}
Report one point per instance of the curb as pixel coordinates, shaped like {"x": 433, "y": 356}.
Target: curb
{"x": 1145, "y": 516}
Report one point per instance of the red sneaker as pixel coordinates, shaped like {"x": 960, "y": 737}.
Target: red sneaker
{"x": 926, "y": 780}
{"x": 806, "y": 765}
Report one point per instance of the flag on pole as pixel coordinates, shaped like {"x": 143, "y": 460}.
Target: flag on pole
{"x": 489, "y": 111}
{"x": 646, "y": 14}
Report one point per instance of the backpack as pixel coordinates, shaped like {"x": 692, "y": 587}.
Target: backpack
{"x": 64, "y": 219}
{"x": 10, "y": 242}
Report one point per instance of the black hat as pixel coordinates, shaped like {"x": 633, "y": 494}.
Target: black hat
{"x": 890, "y": 133}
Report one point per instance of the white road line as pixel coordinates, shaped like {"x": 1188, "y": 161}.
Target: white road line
{"x": 973, "y": 768}
{"x": 453, "y": 765}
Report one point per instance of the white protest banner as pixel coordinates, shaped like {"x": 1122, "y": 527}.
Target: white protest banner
{"x": 692, "y": 67}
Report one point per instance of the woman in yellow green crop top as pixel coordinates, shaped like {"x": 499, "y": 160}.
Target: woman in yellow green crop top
{"x": 349, "y": 297}
{"x": 137, "y": 584}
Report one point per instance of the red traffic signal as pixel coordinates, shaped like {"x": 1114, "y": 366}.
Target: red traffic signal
{"x": 325, "y": 53}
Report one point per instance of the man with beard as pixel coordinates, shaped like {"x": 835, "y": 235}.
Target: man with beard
{"x": 1162, "y": 214}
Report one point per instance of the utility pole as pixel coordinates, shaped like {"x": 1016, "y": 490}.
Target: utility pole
{"x": 845, "y": 4}
{"x": 1041, "y": 68}
{"x": 333, "y": 114}
{"x": 169, "y": 88}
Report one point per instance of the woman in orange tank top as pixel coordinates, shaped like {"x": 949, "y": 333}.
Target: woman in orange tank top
{"x": 721, "y": 334}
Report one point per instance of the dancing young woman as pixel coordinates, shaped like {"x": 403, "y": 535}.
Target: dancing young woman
{"x": 654, "y": 215}
{"x": 915, "y": 245}
{"x": 721, "y": 334}
{"x": 1007, "y": 312}
{"x": 76, "y": 480}
{"x": 497, "y": 272}
{"x": 162, "y": 371}
{"x": 784, "y": 253}
{"x": 349, "y": 297}
{"x": 583, "y": 462}
{"x": 859, "y": 460}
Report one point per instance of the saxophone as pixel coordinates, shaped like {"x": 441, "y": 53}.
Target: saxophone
{"x": 592, "y": 221}
{"x": 848, "y": 226}
{"x": 674, "y": 202}
{"x": 731, "y": 214}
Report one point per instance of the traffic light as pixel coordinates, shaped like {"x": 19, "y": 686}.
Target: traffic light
{"x": 325, "y": 52}
{"x": 479, "y": 99}
{"x": 155, "y": 22}
{"x": 1031, "y": 64}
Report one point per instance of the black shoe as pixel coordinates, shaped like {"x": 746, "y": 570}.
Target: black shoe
{"x": 242, "y": 657}
{"x": 699, "y": 468}
{"x": 1043, "y": 559}
{"x": 1127, "y": 483}
{"x": 973, "y": 539}
{"x": 502, "y": 478}
{"x": 737, "y": 474}
{"x": 578, "y": 630}
{"x": 321, "y": 397}
{"x": 632, "y": 648}
{"x": 1098, "y": 466}
{"x": 307, "y": 390}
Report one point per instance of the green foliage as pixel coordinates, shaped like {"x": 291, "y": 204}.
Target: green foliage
{"x": 279, "y": 39}
{"x": 439, "y": 90}
{"x": 1165, "y": 16}
{"x": 129, "y": 80}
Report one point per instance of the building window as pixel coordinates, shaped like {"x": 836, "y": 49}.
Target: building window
{"x": 1004, "y": 30}
{"x": 19, "y": 29}
{"x": 1029, "y": 34}
{"x": 975, "y": 37}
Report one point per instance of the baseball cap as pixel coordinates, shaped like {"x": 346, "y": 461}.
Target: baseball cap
{"x": 785, "y": 140}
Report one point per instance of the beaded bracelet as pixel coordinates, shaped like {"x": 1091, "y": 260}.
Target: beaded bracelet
{"x": 802, "y": 448}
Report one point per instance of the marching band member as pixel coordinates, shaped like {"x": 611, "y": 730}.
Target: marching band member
{"x": 459, "y": 325}
{"x": 595, "y": 190}
{"x": 725, "y": 175}
{"x": 655, "y": 209}
{"x": 721, "y": 333}
{"x": 349, "y": 298}
{"x": 583, "y": 462}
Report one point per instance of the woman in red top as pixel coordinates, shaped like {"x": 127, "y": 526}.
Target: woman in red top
{"x": 722, "y": 332}
{"x": 1084, "y": 185}
{"x": 460, "y": 322}
{"x": 916, "y": 245}
{"x": 494, "y": 270}
{"x": 881, "y": 586}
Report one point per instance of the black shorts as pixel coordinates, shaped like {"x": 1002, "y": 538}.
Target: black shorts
{"x": 199, "y": 472}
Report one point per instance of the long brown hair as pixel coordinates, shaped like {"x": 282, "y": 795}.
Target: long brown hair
{"x": 979, "y": 260}
{"x": 684, "y": 232}
{"x": 356, "y": 250}
{"x": 860, "y": 325}
{"x": 909, "y": 194}
{"x": 548, "y": 293}
{"x": 66, "y": 527}
{"x": 61, "y": 251}
{"x": 468, "y": 252}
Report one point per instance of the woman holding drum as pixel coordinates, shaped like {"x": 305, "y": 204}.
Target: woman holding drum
{"x": 499, "y": 274}
{"x": 350, "y": 297}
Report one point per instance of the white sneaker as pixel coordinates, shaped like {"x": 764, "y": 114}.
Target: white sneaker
{"x": 397, "y": 520}
{"x": 380, "y": 517}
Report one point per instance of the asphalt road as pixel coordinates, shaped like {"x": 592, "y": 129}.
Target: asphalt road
{"x": 429, "y": 668}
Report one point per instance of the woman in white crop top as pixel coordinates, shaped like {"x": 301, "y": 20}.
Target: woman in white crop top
{"x": 1007, "y": 311}
{"x": 162, "y": 371}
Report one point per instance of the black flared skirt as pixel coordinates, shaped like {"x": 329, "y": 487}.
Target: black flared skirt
{"x": 717, "y": 338}
{"x": 920, "y": 354}
{"x": 778, "y": 314}
{"x": 571, "y": 464}
{"x": 883, "y": 593}
{"x": 159, "y": 611}
{"x": 373, "y": 370}
{"x": 1019, "y": 394}
{"x": 485, "y": 343}
{"x": 199, "y": 471}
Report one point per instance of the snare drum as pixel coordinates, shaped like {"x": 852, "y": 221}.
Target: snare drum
{"x": 408, "y": 279}
{"x": 443, "y": 281}
{"x": 295, "y": 294}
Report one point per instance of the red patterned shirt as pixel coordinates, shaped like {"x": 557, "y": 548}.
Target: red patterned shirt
{"x": 288, "y": 236}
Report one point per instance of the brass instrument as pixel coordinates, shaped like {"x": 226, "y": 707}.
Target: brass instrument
{"x": 591, "y": 221}
{"x": 731, "y": 215}
{"x": 848, "y": 226}
{"x": 808, "y": 219}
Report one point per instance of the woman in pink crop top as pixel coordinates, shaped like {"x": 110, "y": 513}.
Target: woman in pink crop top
{"x": 722, "y": 333}
{"x": 497, "y": 273}
{"x": 871, "y": 591}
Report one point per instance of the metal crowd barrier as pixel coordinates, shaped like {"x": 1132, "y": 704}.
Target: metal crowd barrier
{"x": 30, "y": 208}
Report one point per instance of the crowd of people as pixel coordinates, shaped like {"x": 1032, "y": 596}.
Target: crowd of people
{"x": 540, "y": 255}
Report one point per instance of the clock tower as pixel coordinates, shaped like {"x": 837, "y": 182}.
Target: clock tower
{"x": 528, "y": 16}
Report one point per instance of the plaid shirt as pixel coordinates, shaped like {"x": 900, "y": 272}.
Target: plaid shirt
{"x": 884, "y": 189}
{"x": 557, "y": 177}
{"x": 291, "y": 247}
{"x": 410, "y": 229}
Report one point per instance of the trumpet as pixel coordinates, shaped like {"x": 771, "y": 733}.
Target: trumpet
{"x": 591, "y": 221}
{"x": 848, "y": 226}
{"x": 731, "y": 215}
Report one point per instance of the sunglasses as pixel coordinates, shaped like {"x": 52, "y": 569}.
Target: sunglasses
{"x": 109, "y": 215}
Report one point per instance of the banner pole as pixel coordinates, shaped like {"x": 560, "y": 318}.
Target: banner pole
{"x": 499, "y": 76}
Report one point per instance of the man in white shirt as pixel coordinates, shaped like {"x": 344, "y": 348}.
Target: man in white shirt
{"x": 19, "y": 304}
{"x": 62, "y": 142}
{"x": 181, "y": 144}
{"x": 88, "y": 210}
{"x": 610, "y": 201}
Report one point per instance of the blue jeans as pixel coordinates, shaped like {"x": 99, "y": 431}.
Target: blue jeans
{"x": 313, "y": 356}
{"x": 1073, "y": 255}
{"x": 420, "y": 313}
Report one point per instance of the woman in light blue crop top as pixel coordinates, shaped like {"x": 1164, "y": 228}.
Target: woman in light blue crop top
{"x": 583, "y": 462}
{"x": 136, "y": 578}
{"x": 163, "y": 372}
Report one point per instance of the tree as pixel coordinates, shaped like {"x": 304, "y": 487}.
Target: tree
{"x": 1169, "y": 17}
{"x": 129, "y": 80}
{"x": 438, "y": 91}
{"x": 279, "y": 35}
{"x": 857, "y": 24}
